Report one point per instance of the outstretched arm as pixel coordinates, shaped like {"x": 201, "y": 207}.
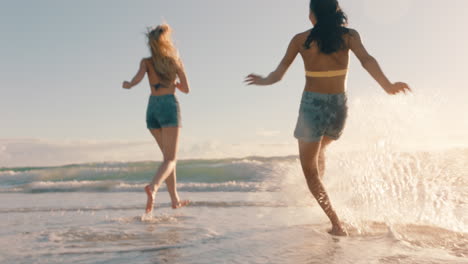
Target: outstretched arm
{"x": 372, "y": 66}
{"x": 277, "y": 74}
{"x": 183, "y": 84}
{"x": 138, "y": 76}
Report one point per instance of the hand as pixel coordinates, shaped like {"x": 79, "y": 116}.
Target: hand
{"x": 126, "y": 85}
{"x": 254, "y": 79}
{"x": 397, "y": 87}
{"x": 178, "y": 85}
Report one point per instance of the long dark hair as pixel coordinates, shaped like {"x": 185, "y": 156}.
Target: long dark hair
{"x": 330, "y": 27}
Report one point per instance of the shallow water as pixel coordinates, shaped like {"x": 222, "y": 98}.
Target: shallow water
{"x": 398, "y": 207}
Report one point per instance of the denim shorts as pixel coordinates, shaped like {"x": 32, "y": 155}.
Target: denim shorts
{"x": 321, "y": 115}
{"x": 163, "y": 111}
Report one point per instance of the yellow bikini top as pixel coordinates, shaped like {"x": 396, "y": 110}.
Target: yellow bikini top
{"x": 326, "y": 73}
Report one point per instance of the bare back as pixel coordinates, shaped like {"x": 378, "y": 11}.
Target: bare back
{"x": 154, "y": 79}
{"x": 314, "y": 60}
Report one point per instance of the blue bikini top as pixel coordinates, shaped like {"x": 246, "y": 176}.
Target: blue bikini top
{"x": 158, "y": 85}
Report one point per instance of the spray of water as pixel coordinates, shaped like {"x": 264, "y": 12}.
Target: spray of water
{"x": 384, "y": 172}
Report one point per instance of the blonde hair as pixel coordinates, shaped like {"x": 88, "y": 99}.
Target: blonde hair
{"x": 164, "y": 55}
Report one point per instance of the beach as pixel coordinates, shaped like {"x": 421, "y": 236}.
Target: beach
{"x": 398, "y": 208}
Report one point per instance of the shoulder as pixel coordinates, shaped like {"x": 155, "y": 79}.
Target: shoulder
{"x": 300, "y": 38}
{"x": 352, "y": 37}
{"x": 145, "y": 60}
{"x": 145, "y": 63}
{"x": 353, "y": 33}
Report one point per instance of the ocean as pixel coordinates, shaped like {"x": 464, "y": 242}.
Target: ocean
{"x": 399, "y": 207}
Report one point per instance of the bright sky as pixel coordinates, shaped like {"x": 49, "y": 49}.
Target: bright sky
{"x": 62, "y": 64}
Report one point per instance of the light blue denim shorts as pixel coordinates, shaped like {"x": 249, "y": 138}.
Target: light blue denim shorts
{"x": 163, "y": 111}
{"x": 321, "y": 115}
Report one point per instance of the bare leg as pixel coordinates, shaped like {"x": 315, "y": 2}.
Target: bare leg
{"x": 171, "y": 187}
{"x": 321, "y": 164}
{"x": 150, "y": 199}
{"x": 309, "y": 153}
{"x": 321, "y": 159}
{"x": 171, "y": 181}
{"x": 168, "y": 141}
{"x": 157, "y": 134}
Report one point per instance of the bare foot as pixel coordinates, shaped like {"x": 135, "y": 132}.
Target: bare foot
{"x": 150, "y": 200}
{"x": 338, "y": 231}
{"x": 180, "y": 204}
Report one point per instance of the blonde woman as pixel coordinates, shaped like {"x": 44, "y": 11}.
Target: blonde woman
{"x": 163, "y": 68}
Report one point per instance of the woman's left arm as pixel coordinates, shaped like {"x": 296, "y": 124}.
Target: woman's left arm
{"x": 138, "y": 76}
{"x": 277, "y": 75}
{"x": 183, "y": 84}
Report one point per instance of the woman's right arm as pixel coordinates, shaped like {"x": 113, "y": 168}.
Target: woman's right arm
{"x": 183, "y": 84}
{"x": 372, "y": 66}
{"x": 138, "y": 76}
{"x": 277, "y": 75}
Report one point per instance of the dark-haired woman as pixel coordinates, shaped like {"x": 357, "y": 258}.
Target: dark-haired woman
{"x": 163, "y": 68}
{"x": 323, "y": 110}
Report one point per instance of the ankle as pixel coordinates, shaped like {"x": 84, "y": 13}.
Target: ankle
{"x": 337, "y": 226}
